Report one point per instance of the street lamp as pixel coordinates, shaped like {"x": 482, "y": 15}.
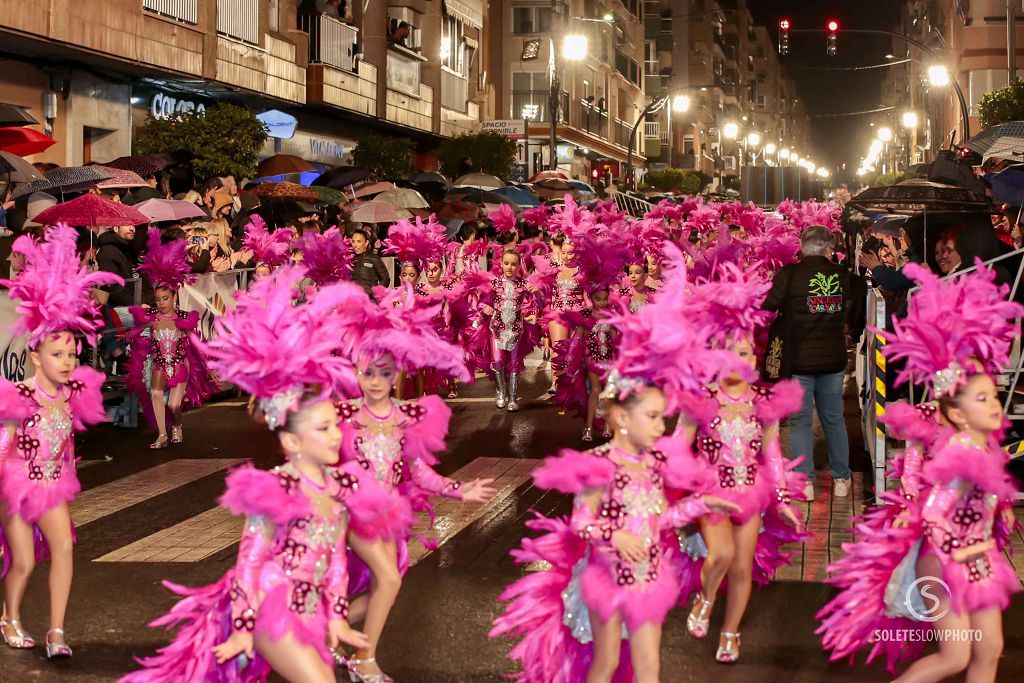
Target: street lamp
{"x": 910, "y": 119}
{"x": 574, "y": 47}
{"x": 770, "y": 148}
{"x": 731, "y": 130}
{"x": 784, "y": 153}
{"x": 754, "y": 138}
{"x": 677, "y": 103}
{"x": 938, "y": 75}
{"x": 885, "y": 134}
{"x": 680, "y": 103}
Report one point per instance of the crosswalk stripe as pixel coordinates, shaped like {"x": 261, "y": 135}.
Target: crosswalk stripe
{"x": 119, "y": 494}
{"x": 213, "y": 530}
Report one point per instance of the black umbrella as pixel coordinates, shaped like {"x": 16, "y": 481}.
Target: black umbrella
{"x": 915, "y": 196}
{"x": 342, "y": 176}
{"x": 64, "y": 180}
{"x": 14, "y": 169}
{"x": 15, "y": 115}
{"x": 431, "y": 177}
{"x": 475, "y": 195}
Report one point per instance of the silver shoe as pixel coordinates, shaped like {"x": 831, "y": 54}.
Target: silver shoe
{"x": 513, "y": 392}
{"x": 357, "y": 677}
{"x": 728, "y": 653}
{"x": 699, "y": 617}
{"x": 57, "y": 650}
{"x": 21, "y": 640}
{"x": 501, "y": 398}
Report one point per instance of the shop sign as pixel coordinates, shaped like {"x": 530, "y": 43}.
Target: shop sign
{"x": 278, "y": 123}
{"x": 163, "y": 106}
{"x": 512, "y": 128}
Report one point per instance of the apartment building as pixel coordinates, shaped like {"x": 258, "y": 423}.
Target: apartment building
{"x": 95, "y": 70}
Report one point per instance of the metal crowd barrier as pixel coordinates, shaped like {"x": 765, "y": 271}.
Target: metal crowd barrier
{"x": 634, "y": 206}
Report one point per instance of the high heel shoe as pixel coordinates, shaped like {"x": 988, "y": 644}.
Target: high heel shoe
{"x": 588, "y": 435}
{"x": 177, "y": 434}
{"x": 56, "y": 650}
{"x": 730, "y": 651}
{"x": 161, "y": 442}
{"x": 699, "y": 617}
{"x": 21, "y": 640}
{"x": 606, "y": 434}
{"x": 357, "y": 677}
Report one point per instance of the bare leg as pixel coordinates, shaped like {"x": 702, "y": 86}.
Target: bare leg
{"x": 157, "y": 394}
{"x": 744, "y": 542}
{"x": 177, "y": 399}
{"x": 382, "y": 559}
{"x": 986, "y": 650}
{"x": 18, "y": 533}
{"x": 607, "y": 646}
{"x": 953, "y": 655}
{"x": 56, "y": 528}
{"x": 295, "y": 661}
{"x": 721, "y": 551}
{"x": 645, "y": 653}
{"x": 558, "y": 332}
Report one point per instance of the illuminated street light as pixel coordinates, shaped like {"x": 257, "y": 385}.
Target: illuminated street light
{"x": 680, "y": 103}
{"x": 574, "y": 47}
{"x": 910, "y": 119}
{"x": 770, "y": 148}
{"x": 754, "y": 138}
{"x": 608, "y": 16}
{"x": 876, "y": 147}
{"x": 885, "y": 134}
{"x": 731, "y": 130}
{"x": 784, "y": 153}
{"x": 938, "y": 75}
{"x": 822, "y": 172}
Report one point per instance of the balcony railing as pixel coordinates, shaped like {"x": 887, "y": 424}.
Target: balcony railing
{"x": 239, "y": 19}
{"x": 182, "y": 10}
{"x": 331, "y": 41}
{"x": 623, "y": 131}
{"x": 592, "y": 120}
{"x": 539, "y": 98}
{"x": 454, "y": 91}
{"x": 652, "y": 129}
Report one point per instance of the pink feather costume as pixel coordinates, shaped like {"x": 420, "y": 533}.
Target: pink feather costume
{"x": 506, "y": 335}
{"x": 164, "y": 344}
{"x": 550, "y": 609}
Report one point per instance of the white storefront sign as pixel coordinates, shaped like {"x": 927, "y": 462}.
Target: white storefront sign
{"x": 314, "y": 148}
{"x": 278, "y": 123}
{"x": 512, "y": 128}
{"x": 164, "y": 106}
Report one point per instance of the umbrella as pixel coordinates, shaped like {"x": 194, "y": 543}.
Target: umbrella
{"x": 580, "y": 186}
{"x": 144, "y": 165}
{"x": 285, "y": 191}
{"x": 373, "y": 188}
{"x": 91, "y": 209}
{"x": 280, "y": 164}
{"x": 404, "y": 198}
{"x": 915, "y": 196}
{"x": 120, "y": 179}
{"x": 555, "y": 184}
{"x": 342, "y": 176}
{"x": 484, "y": 181}
{"x": 329, "y": 195}
{"x": 545, "y": 175}
{"x": 1008, "y": 187}
{"x": 456, "y": 208}
{"x": 24, "y": 141}
{"x": 17, "y": 170}
{"x": 65, "y": 180}
{"x": 431, "y": 177}
{"x": 377, "y": 212}
{"x": 15, "y": 115}
{"x": 158, "y": 210}
{"x": 476, "y": 196}
{"x": 1005, "y": 141}
{"x": 518, "y": 195}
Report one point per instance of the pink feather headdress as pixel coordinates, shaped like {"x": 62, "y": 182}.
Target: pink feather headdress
{"x": 571, "y": 219}
{"x": 600, "y": 259}
{"x": 417, "y": 241}
{"x": 277, "y": 350}
{"x": 666, "y": 210}
{"x": 326, "y": 257}
{"x": 400, "y": 324}
{"x": 951, "y": 324}
{"x": 730, "y": 304}
{"x": 166, "y": 265}
{"x": 55, "y": 289}
{"x": 503, "y": 219}
{"x": 270, "y": 249}
{"x": 536, "y": 216}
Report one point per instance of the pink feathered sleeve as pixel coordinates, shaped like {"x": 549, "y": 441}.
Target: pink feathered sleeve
{"x": 936, "y": 510}
{"x": 774, "y": 405}
{"x": 86, "y": 398}
{"x": 336, "y": 581}
{"x": 424, "y": 476}
{"x": 910, "y": 474}
{"x": 427, "y": 428}
{"x": 253, "y": 552}
{"x": 685, "y": 511}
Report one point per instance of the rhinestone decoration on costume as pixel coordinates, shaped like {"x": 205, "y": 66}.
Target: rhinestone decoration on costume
{"x": 508, "y": 313}
{"x": 380, "y": 444}
{"x": 568, "y": 295}
{"x": 43, "y": 439}
{"x": 170, "y": 349}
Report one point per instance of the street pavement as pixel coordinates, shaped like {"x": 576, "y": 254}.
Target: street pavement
{"x": 145, "y": 516}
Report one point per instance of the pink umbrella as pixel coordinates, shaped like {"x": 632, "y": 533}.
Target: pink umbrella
{"x": 373, "y": 188}
{"x": 158, "y": 210}
{"x": 121, "y": 179}
{"x": 91, "y": 209}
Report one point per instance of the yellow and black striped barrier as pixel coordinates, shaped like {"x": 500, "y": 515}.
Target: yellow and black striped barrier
{"x": 879, "y": 385}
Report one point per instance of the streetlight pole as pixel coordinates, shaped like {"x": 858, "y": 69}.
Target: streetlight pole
{"x": 679, "y": 103}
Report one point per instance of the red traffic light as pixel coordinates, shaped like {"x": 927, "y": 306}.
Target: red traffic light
{"x": 784, "y": 24}
{"x": 833, "y": 25}
{"x": 595, "y": 173}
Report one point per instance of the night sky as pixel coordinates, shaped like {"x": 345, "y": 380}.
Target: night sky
{"x": 844, "y": 139}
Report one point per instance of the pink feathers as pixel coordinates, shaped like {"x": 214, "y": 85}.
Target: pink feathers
{"x": 503, "y": 219}
{"x": 270, "y": 249}
{"x": 536, "y": 216}
{"x": 165, "y": 265}
{"x": 54, "y": 288}
{"x": 326, "y": 257}
{"x": 417, "y": 241}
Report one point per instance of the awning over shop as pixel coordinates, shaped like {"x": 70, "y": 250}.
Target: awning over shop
{"x": 470, "y": 12}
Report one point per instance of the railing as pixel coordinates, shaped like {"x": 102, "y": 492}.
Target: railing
{"x": 623, "y": 131}
{"x": 541, "y": 99}
{"x": 454, "y": 91}
{"x": 688, "y": 162}
{"x": 331, "y": 41}
{"x": 666, "y": 137}
{"x": 634, "y": 206}
{"x": 182, "y": 10}
{"x": 592, "y": 120}
{"x": 239, "y": 19}
{"x": 652, "y": 129}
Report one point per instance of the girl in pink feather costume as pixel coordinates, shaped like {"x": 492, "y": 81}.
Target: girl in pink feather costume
{"x": 933, "y": 558}
{"x": 163, "y": 357}
{"x": 41, "y": 414}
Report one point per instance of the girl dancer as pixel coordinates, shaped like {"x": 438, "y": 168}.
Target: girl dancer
{"x": 568, "y": 297}
{"x": 284, "y": 605}
{"x": 37, "y": 458}
{"x": 614, "y": 563}
{"x": 634, "y": 292}
{"x": 396, "y": 442}
{"x": 945, "y": 544}
{"x": 163, "y": 357}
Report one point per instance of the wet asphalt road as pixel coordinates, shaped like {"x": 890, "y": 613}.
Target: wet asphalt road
{"x": 438, "y": 630}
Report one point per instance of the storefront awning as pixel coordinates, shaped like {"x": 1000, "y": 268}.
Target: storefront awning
{"x": 469, "y": 11}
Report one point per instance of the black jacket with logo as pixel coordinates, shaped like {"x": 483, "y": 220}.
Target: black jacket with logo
{"x": 368, "y": 271}
{"x": 819, "y": 301}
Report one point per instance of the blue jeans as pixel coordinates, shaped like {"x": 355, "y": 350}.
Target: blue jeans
{"x": 825, "y": 391}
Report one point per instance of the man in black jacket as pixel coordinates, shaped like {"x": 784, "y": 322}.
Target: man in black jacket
{"x": 114, "y": 254}
{"x": 820, "y": 306}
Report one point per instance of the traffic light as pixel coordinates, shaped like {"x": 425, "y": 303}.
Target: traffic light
{"x": 783, "y": 36}
{"x": 832, "y": 28}
{"x": 595, "y": 173}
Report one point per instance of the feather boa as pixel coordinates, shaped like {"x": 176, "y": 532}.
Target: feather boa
{"x": 86, "y": 398}
{"x": 326, "y": 257}
{"x": 574, "y": 472}
{"x": 253, "y": 492}
{"x": 425, "y": 435}
{"x": 779, "y": 401}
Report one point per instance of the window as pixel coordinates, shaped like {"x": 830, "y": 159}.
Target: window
{"x": 453, "y": 45}
{"x": 627, "y": 67}
{"x": 650, "y": 58}
{"x": 531, "y": 19}
{"x": 526, "y": 82}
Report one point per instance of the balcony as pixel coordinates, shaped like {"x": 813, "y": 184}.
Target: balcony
{"x": 454, "y": 91}
{"x": 591, "y": 119}
{"x": 652, "y": 130}
{"x": 331, "y": 41}
{"x": 239, "y": 19}
{"x": 540, "y": 98}
{"x": 186, "y": 11}
{"x": 623, "y": 131}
